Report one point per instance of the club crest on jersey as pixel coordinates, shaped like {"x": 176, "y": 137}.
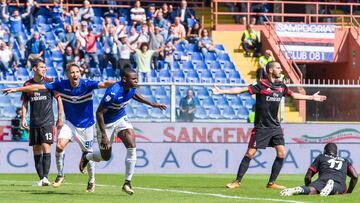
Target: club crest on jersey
{"x": 107, "y": 98}
{"x": 37, "y": 94}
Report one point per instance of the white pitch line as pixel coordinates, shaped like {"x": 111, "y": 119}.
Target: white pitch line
{"x": 177, "y": 191}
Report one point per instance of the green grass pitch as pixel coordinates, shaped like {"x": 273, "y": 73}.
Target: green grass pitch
{"x": 157, "y": 188}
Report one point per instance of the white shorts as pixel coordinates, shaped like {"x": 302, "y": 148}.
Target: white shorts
{"x": 84, "y": 136}
{"x": 112, "y": 129}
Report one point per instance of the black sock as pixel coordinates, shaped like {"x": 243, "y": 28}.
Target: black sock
{"x": 277, "y": 165}
{"x": 46, "y": 163}
{"x": 244, "y": 165}
{"x": 305, "y": 191}
{"x": 39, "y": 165}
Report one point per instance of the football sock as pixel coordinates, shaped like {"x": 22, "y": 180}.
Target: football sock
{"x": 130, "y": 162}
{"x": 46, "y": 161}
{"x": 39, "y": 165}
{"x": 94, "y": 156}
{"x": 244, "y": 165}
{"x": 277, "y": 165}
{"x": 60, "y": 162}
{"x": 305, "y": 191}
{"x": 91, "y": 171}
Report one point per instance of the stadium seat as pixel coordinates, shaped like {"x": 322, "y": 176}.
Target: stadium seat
{"x": 214, "y": 66}
{"x": 234, "y": 77}
{"x": 206, "y": 77}
{"x": 196, "y": 56}
{"x": 156, "y": 113}
{"x": 129, "y": 111}
{"x": 153, "y": 76}
{"x": 167, "y": 113}
{"x": 223, "y": 57}
{"x": 200, "y": 113}
{"x": 165, "y": 100}
{"x": 179, "y": 47}
{"x": 200, "y": 67}
{"x": 220, "y": 77}
{"x": 145, "y": 91}
{"x": 151, "y": 98}
{"x": 243, "y": 113}
{"x": 245, "y": 96}
{"x": 229, "y": 113}
{"x": 142, "y": 112}
{"x": 214, "y": 113}
{"x": 176, "y": 65}
{"x": 160, "y": 92}
{"x": 22, "y": 74}
{"x": 192, "y": 48}
{"x": 191, "y": 22}
{"x": 179, "y": 76}
{"x": 222, "y": 102}
{"x": 236, "y": 102}
{"x": 249, "y": 103}
{"x": 208, "y": 102}
{"x": 201, "y": 92}
{"x": 164, "y": 75}
{"x": 4, "y": 100}
{"x": 95, "y": 73}
{"x": 229, "y": 66}
{"x": 177, "y": 55}
{"x": 8, "y": 111}
{"x": 186, "y": 66}
{"x": 192, "y": 76}
{"x": 210, "y": 56}
{"x": 220, "y": 47}
{"x": 57, "y": 56}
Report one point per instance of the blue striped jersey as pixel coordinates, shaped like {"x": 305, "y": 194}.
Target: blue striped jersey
{"x": 78, "y": 102}
{"x": 115, "y": 100}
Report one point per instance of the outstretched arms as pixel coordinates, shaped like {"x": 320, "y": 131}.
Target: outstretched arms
{"x": 137, "y": 96}
{"x": 29, "y": 88}
{"x": 234, "y": 90}
{"x": 106, "y": 84}
{"x": 314, "y": 97}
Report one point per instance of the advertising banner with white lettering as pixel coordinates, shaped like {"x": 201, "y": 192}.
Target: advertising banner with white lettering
{"x": 307, "y": 42}
{"x": 222, "y": 158}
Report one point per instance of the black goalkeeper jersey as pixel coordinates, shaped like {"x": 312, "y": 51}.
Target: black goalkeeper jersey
{"x": 41, "y": 111}
{"x": 268, "y": 97}
{"x": 331, "y": 167}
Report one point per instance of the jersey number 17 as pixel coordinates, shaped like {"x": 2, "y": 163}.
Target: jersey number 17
{"x": 336, "y": 164}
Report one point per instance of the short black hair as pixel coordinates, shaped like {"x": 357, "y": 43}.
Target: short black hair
{"x": 125, "y": 72}
{"x": 269, "y": 65}
{"x": 330, "y": 149}
{"x": 144, "y": 44}
{"x": 37, "y": 62}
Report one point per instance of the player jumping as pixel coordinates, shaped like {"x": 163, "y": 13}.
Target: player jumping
{"x": 332, "y": 171}
{"x": 112, "y": 120}
{"x": 267, "y": 131}
{"x": 76, "y": 94}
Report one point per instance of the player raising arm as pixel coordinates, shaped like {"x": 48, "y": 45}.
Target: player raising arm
{"x": 332, "y": 171}
{"x": 76, "y": 94}
{"x": 267, "y": 131}
{"x": 112, "y": 120}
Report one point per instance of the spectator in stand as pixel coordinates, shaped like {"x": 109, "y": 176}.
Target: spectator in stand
{"x": 156, "y": 42}
{"x": 57, "y": 12}
{"x": 137, "y": 14}
{"x": 193, "y": 34}
{"x": 179, "y": 28}
{"x": 74, "y": 16}
{"x": 259, "y": 8}
{"x": 67, "y": 39}
{"x": 110, "y": 47}
{"x": 68, "y": 55}
{"x": 151, "y": 13}
{"x": 263, "y": 60}
{"x": 143, "y": 60}
{"x": 206, "y": 44}
{"x": 8, "y": 60}
{"x": 15, "y": 24}
{"x": 187, "y": 107}
{"x": 160, "y": 21}
{"x": 183, "y": 12}
{"x": 86, "y": 13}
{"x": 119, "y": 28}
{"x": 80, "y": 40}
{"x": 124, "y": 52}
{"x": 143, "y": 35}
{"x": 90, "y": 47}
{"x": 3, "y": 31}
{"x": 18, "y": 132}
{"x": 168, "y": 52}
{"x": 108, "y": 21}
{"x": 250, "y": 41}
{"x": 133, "y": 41}
{"x": 165, "y": 11}
{"x": 34, "y": 50}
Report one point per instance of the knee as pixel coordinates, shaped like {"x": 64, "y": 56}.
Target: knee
{"x": 131, "y": 145}
{"x": 59, "y": 147}
{"x": 106, "y": 157}
{"x": 281, "y": 154}
{"x": 250, "y": 155}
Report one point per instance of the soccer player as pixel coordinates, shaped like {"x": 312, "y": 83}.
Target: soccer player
{"x": 76, "y": 94}
{"x": 332, "y": 171}
{"x": 112, "y": 120}
{"x": 267, "y": 131}
{"x": 41, "y": 120}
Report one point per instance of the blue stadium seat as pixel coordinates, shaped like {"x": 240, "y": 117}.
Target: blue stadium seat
{"x": 176, "y": 65}
{"x": 8, "y": 111}
{"x": 229, "y": 113}
{"x": 192, "y": 48}
{"x": 160, "y": 92}
{"x": 145, "y": 91}
{"x": 22, "y": 74}
{"x": 179, "y": 47}
{"x": 153, "y": 76}
{"x": 223, "y": 57}
{"x": 165, "y": 100}
{"x": 214, "y": 66}
{"x": 249, "y": 103}
{"x": 234, "y": 77}
{"x": 156, "y": 113}
{"x": 208, "y": 102}
{"x": 243, "y": 113}
{"x": 220, "y": 77}
{"x": 201, "y": 92}
{"x": 200, "y": 113}
{"x": 191, "y": 22}
{"x": 229, "y": 66}
{"x": 178, "y": 54}
{"x": 4, "y": 101}
{"x": 109, "y": 74}
{"x": 192, "y": 76}
{"x": 214, "y": 113}
{"x": 220, "y": 47}
{"x": 142, "y": 112}
{"x": 222, "y": 102}
{"x": 200, "y": 67}
{"x": 95, "y": 73}
{"x": 179, "y": 76}
{"x": 196, "y": 56}
{"x": 186, "y": 66}
{"x": 164, "y": 75}
{"x": 57, "y": 56}
{"x": 150, "y": 98}
{"x": 210, "y": 56}
{"x": 206, "y": 77}
{"x": 129, "y": 111}
{"x": 97, "y": 20}
{"x": 167, "y": 113}
{"x": 40, "y": 20}
{"x": 236, "y": 102}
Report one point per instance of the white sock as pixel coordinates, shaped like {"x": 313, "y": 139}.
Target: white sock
{"x": 91, "y": 171}
{"x": 94, "y": 156}
{"x": 130, "y": 162}
{"x": 60, "y": 162}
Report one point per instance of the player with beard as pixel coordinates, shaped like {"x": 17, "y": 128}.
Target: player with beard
{"x": 332, "y": 171}
{"x": 267, "y": 131}
{"x": 76, "y": 94}
{"x": 112, "y": 120}
{"x": 41, "y": 120}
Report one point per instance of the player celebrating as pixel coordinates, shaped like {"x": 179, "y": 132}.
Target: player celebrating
{"x": 41, "y": 121}
{"x": 112, "y": 120}
{"x": 76, "y": 94}
{"x": 267, "y": 131}
{"x": 332, "y": 175}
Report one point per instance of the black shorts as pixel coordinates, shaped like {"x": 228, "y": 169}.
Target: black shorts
{"x": 41, "y": 135}
{"x": 266, "y": 137}
{"x": 320, "y": 184}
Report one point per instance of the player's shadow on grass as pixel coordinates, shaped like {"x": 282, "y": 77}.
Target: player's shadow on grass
{"x": 196, "y": 187}
{"x": 46, "y": 192}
